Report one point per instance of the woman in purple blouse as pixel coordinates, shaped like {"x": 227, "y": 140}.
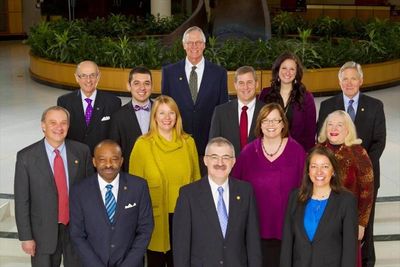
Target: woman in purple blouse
{"x": 298, "y": 103}
{"x": 273, "y": 163}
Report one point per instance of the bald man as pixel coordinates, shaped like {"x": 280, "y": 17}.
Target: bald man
{"x": 90, "y": 108}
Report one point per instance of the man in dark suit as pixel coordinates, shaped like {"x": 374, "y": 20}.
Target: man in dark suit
{"x": 111, "y": 213}
{"x": 215, "y": 220}
{"x": 369, "y": 119}
{"x": 43, "y": 174}
{"x": 236, "y": 119}
{"x": 90, "y": 108}
{"x": 133, "y": 119}
{"x": 197, "y": 86}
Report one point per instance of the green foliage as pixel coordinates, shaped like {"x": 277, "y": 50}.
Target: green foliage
{"x": 123, "y": 42}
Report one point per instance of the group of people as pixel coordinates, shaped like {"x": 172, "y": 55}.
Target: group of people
{"x": 192, "y": 179}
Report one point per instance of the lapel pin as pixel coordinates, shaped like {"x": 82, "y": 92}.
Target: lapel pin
{"x": 180, "y": 78}
{"x": 362, "y": 109}
{"x": 97, "y": 108}
{"x": 76, "y": 161}
{"x": 238, "y": 197}
{"x": 125, "y": 188}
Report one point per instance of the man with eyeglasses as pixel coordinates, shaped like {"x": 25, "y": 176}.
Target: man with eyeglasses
{"x": 215, "y": 220}
{"x": 197, "y": 86}
{"x": 90, "y": 108}
{"x": 133, "y": 119}
{"x": 236, "y": 119}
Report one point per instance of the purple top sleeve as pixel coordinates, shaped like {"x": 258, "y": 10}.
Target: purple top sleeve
{"x": 272, "y": 182}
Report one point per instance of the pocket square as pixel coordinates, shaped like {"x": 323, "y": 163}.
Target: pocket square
{"x": 105, "y": 118}
{"x": 130, "y": 205}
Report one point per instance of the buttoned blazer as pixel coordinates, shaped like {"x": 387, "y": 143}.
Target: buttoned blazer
{"x": 35, "y": 191}
{"x": 125, "y": 129}
{"x": 213, "y": 91}
{"x": 98, "y": 129}
{"x": 370, "y": 124}
{"x": 100, "y": 243}
{"x": 225, "y": 123}
{"x": 335, "y": 240}
{"x": 197, "y": 235}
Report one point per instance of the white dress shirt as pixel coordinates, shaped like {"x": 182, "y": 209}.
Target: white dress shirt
{"x": 215, "y": 193}
{"x": 250, "y": 112}
{"x": 199, "y": 70}
{"x": 84, "y": 103}
{"x": 103, "y": 189}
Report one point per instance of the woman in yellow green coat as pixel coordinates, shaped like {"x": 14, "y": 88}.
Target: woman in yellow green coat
{"x": 167, "y": 158}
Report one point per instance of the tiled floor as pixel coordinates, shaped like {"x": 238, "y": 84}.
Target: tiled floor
{"x": 23, "y": 100}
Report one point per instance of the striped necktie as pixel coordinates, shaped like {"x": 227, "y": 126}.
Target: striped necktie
{"x": 111, "y": 204}
{"x": 351, "y": 111}
{"x": 221, "y": 210}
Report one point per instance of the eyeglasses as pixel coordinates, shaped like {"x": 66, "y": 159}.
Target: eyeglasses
{"x": 216, "y": 158}
{"x": 273, "y": 122}
{"x": 88, "y": 76}
{"x": 197, "y": 43}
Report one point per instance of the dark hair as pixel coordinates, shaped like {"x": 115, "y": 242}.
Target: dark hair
{"x": 306, "y": 188}
{"x": 299, "y": 89}
{"x": 264, "y": 112}
{"x": 141, "y": 70}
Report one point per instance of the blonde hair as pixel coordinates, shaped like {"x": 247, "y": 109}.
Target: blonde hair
{"x": 162, "y": 99}
{"x": 351, "y": 137}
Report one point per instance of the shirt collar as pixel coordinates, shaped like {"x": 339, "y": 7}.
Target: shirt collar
{"x": 103, "y": 183}
{"x": 93, "y": 96}
{"x": 148, "y": 103}
{"x": 50, "y": 148}
{"x": 214, "y": 186}
{"x": 249, "y": 106}
{"x": 198, "y": 65}
{"x": 346, "y": 99}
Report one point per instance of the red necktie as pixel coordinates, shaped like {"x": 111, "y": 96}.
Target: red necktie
{"x": 61, "y": 183}
{"x": 243, "y": 127}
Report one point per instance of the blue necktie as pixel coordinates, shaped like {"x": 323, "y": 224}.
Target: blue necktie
{"x": 222, "y": 213}
{"x": 351, "y": 111}
{"x": 111, "y": 204}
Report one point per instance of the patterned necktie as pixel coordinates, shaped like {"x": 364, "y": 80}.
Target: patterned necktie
{"x": 221, "y": 210}
{"x": 89, "y": 111}
{"x": 351, "y": 111}
{"x": 145, "y": 108}
{"x": 243, "y": 127}
{"x": 111, "y": 204}
{"x": 61, "y": 184}
{"x": 193, "y": 84}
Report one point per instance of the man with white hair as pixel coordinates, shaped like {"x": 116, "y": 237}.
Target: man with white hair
{"x": 369, "y": 118}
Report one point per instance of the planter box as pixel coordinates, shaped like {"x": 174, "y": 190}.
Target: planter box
{"x": 114, "y": 79}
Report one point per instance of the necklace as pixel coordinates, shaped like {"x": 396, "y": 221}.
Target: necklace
{"x": 271, "y": 154}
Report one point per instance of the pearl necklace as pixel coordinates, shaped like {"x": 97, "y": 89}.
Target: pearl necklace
{"x": 271, "y": 154}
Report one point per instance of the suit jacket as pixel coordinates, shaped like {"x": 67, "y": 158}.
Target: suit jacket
{"x": 335, "y": 240}
{"x": 197, "y": 235}
{"x": 93, "y": 234}
{"x": 36, "y": 197}
{"x": 125, "y": 129}
{"x": 370, "y": 124}
{"x": 213, "y": 91}
{"x": 225, "y": 123}
{"x": 98, "y": 129}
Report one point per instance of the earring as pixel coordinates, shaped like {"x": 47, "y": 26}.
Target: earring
{"x": 295, "y": 81}
{"x": 278, "y": 79}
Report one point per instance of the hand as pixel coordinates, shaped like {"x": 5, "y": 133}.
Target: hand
{"x": 361, "y": 230}
{"x": 29, "y": 247}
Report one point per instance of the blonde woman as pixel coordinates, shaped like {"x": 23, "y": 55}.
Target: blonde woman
{"x": 167, "y": 158}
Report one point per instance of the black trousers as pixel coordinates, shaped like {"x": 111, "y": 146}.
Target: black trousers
{"x": 64, "y": 249}
{"x": 271, "y": 252}
{"x": 368, "y": 248}
{"x": 161, "y": 259}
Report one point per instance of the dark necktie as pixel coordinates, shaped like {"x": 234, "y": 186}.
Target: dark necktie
{"x": 62, "y": 190}
{"x": 351, "y": 111}
{"x": 89, "y": 110}
{"x": 221, "y": 210}
{"x": 110, "y": 203}
{"x": 193, "y": 84}
{"x": 243, "y": 127}
{"x": 145, "y": 108}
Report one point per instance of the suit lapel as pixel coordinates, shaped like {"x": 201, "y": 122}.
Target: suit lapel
{"x": 234, "y": 208}
{"x": 233, "y": 119}
{"x": 300, "y": 219}
{"x": 208, "y": 206}
{"x": 73, "y": 162}
{"x": 122, "y": 195}
{"x": 257, "y": 109}
{"x": 78, "y": 109}
{"x": 43, "y": 164}
{"x": 133, "y": 119}
{"x": 183, "y": 83}
{"x": 98, "y": 198}
{"x": 339, "y": 102}
{"x": 360, "y": 114}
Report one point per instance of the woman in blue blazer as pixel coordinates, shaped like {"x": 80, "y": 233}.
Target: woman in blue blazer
{"x": 321, "y": 218}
